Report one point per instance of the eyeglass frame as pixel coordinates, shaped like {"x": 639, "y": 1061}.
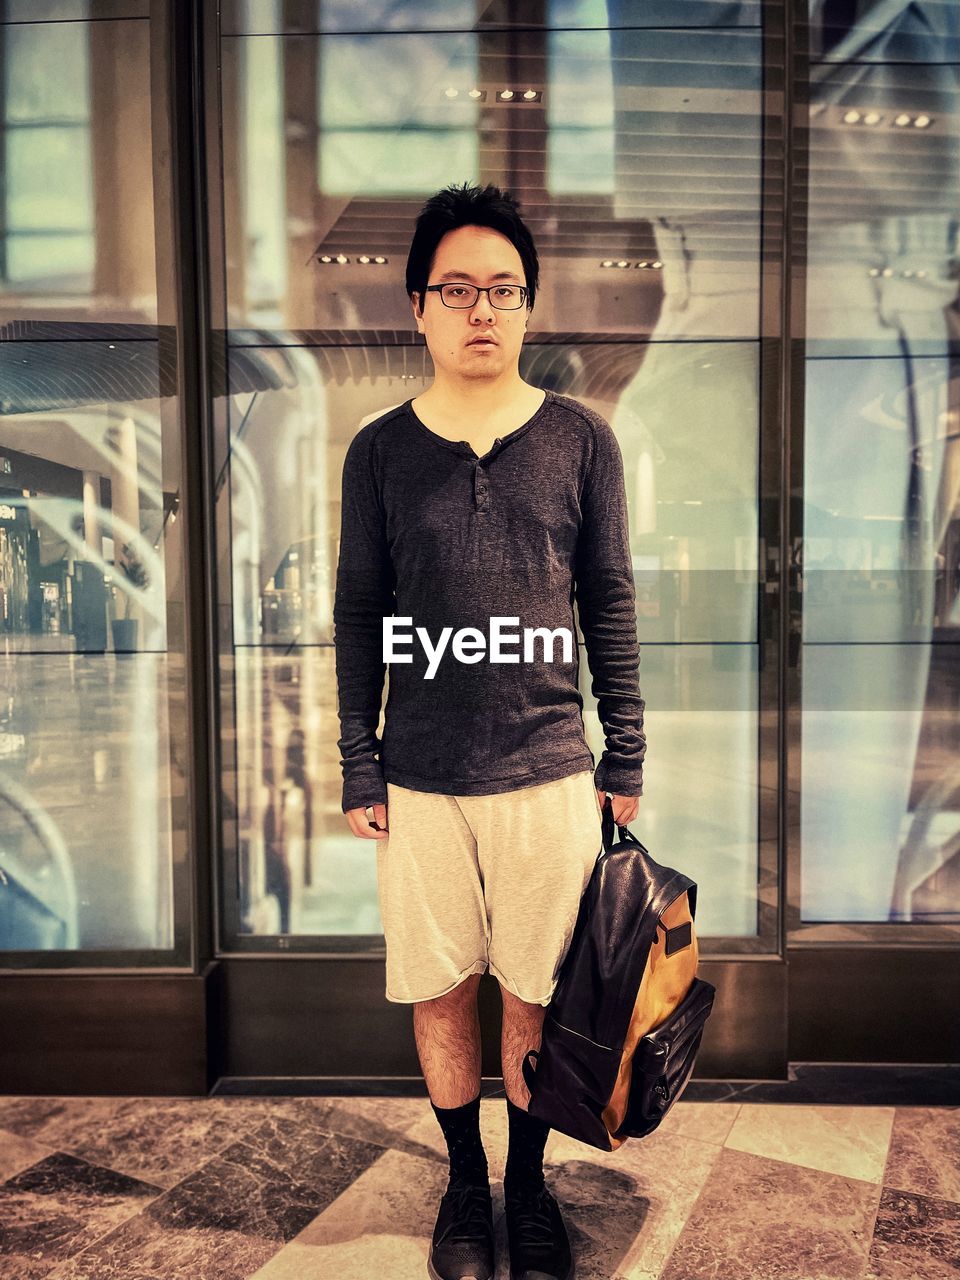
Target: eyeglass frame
{"x": 503, "y": 284}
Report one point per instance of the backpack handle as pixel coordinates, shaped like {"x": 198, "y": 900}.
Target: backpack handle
{"x": 607, "y": 825}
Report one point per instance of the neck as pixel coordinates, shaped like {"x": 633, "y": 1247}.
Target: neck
{"x": 469, "y": 397}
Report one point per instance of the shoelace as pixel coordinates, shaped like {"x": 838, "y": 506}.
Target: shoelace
{"x": 471, "y": 1213}
{"x": 531, "y": 1218}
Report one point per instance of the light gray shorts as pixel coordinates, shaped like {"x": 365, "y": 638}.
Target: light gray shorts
{"x": 470, "y": 883}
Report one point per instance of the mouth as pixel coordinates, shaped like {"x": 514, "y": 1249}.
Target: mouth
{"x": 482, "y": 342}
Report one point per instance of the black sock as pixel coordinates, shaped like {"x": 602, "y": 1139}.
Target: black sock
{"x": 528, "y": 1137}
{"x": 461, "y": 1128}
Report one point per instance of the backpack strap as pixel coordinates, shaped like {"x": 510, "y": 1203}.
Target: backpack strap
{"x": 529, "y": 1073}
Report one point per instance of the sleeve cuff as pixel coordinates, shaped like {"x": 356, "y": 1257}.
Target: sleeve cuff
{"x": 367, "y": 789}
{"x": 618, "y": 780}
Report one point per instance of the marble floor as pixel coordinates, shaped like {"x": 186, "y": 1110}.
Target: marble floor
{"x": 317, "y": 1188}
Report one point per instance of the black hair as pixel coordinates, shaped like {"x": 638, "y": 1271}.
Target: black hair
{"x": 462, "y": 206}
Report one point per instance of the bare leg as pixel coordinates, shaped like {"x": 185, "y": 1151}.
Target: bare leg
{"x": 522, "y": 1025}
{"x": 447, "y": 1032}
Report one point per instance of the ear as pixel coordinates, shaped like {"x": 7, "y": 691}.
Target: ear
{"x": 414, "y": 303}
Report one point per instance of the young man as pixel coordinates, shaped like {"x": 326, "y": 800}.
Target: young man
{"x": 473, "y": 517}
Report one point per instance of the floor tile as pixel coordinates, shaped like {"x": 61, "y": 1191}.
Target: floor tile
{"x": 226, "y": 1219}
{"x": 380, "y": 1226}
{"x": 143, "y": 1249}
{"x": 58, "y": 1206}
{"x": 17, "y": 1152}
{"x": 924, "y": 1153}
{"x": 625, "y": 1209}
{"x": 158, "y": 1139}
{"x": 915, "y": 1238}
{"x": 758, "y": 1218}
{"x": 385, "y": 1121}
{"x": 850, "y": 1141}
{"x": 705, "y": 1121}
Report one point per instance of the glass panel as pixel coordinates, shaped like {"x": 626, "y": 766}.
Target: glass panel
{"x": 682, "y": 218}
{"x": 48, "y": 172}
{"x": 692, "y": 480}
{"x": 264, "y": 17}
{"x": 881, "y": 521}
{"x": 353, "y": 132}
{"x": 300, "y": 870}
{"x": 881, "y": 784}
{"x": 90, "y": 563}
{"x": 40, "y": 98}
{"x": 72, "y": 10}
{"x": 700, "y": 793}
{"x": 77, "y": 219}
{"x": 94, "y": 863}
{"x": 922, "y": 31}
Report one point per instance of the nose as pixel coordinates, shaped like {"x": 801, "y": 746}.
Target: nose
{"x": 482, "y": 309}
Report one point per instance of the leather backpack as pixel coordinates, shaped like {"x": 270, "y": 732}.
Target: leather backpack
{"x": 623, "y": 1028}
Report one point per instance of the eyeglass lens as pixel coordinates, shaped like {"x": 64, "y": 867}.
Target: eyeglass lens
{"x": 505, "y": 297}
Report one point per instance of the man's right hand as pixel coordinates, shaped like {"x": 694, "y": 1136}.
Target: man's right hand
{"x": 367, "y": 828}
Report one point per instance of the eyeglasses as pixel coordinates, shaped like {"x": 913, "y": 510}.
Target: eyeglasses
{"x": 505, "y": 297}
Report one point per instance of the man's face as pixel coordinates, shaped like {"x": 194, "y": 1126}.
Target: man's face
{"x": 481, "y": 256}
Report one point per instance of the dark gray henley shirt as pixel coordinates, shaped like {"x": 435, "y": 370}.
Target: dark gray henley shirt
{"x": 432, "y": 533}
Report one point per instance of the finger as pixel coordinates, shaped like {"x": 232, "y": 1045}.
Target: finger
{"x": 375, "y": 820}
{"x": 361, "y": 825}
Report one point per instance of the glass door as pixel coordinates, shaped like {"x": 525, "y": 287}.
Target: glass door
{"x": 645, "y": 144}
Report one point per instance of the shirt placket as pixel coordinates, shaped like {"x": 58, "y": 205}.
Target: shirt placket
{"x": 481, "y": 487}
{"x": 481, "y": 479}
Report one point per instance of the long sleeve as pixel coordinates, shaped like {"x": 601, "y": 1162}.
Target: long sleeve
{"x": 365, "y": 594}
{"x": 606, "y": 604}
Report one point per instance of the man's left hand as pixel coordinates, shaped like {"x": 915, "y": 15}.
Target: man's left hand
{"x": 625, "y": 808}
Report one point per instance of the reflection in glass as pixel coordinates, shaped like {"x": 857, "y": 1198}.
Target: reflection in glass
{"x": 92, "y": 820}
{"x": 880, "y": 558}
{"x": 88, "y": 542}
{"x": 358, "y": 128}
{"x": 77, "y": 223}
{"x": 397, "y": 116}
{"x": 702, "y": 786}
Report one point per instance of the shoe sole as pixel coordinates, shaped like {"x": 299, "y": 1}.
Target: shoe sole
{"x": 434, "y": 1274}
{"x": 571, "y": 1274}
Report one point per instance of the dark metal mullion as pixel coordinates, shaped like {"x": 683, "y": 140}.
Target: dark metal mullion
{"x": 792, "y": 355}
{"x": 185, "y": 99}
{"x": 3, "y": 153}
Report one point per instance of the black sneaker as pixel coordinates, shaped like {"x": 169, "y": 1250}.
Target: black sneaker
{"x": 539, "y": 1245}
{"x": 462, "y": 1246}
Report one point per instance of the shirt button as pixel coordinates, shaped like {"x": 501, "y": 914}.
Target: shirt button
{"x": 481, "y": 488}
